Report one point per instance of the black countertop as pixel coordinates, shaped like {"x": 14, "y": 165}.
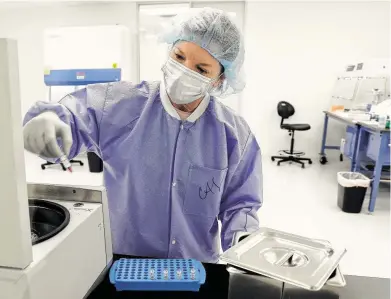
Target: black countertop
{"x": 223, "y": 284}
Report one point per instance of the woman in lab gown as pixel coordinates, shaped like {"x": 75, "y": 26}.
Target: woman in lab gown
{"x": 176, "y": 160}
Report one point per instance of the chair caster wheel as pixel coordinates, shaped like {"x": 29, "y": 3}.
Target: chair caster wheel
{"x": 310, "y": 162}
{"x": 323, "y": 160}
{"x": 273, "y": 159}
{"x": 42, "y": 167}
{"x": 341, "y": 157}
{"x": 81, "y": 164}
{"x": 302, "y": 166}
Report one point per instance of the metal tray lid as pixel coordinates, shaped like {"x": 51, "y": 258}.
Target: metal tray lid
{"x": 293, "y": 259}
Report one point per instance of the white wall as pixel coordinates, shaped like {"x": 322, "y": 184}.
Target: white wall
{"x": 294, "y": 52}
{"x": 27, "y": 26}
{"x": 153, "y": 53}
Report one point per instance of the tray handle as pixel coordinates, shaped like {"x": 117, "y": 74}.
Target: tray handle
{"x": 112, "y": 272}
{"x": 202, "y": 272}
{"x": 238, "y": 236}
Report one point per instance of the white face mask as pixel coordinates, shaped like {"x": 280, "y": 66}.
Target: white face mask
{"x": 183, "y": 85}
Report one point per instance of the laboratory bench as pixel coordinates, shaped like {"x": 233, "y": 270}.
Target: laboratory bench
{"x": 221, "y": 283}
{"x": 365, "y": 144}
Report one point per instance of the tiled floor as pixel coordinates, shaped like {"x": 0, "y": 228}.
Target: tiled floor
{"x": 301, "y": 201}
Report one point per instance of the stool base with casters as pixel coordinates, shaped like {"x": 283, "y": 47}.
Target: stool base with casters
{"x": 44, "y": 165}
{"x": 291, "y": 159}
{"x": 292, "y": 156}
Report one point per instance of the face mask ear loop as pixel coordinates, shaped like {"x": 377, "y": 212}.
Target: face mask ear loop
{"x": 164, "y": 66}
{"x": 210, "y": 88}
{"x": 170, "y": 49}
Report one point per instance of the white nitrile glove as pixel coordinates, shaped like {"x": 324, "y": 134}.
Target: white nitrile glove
{"x": 40, "y": 135}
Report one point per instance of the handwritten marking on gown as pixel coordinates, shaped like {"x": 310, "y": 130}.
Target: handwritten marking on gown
{"x": 211, "y": 187}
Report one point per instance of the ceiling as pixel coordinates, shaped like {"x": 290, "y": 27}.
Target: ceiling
{"x": 6, "y": 5}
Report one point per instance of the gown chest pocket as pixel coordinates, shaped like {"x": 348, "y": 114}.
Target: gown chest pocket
{"x": 204, "y": 190}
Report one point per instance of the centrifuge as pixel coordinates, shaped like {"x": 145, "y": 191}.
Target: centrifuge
{"x": 55, "y": 239}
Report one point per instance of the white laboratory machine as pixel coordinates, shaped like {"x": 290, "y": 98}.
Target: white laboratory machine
{"x": 85, "y": 48}
{"x": 362, "y": 83}
{"x": 69, "y": 226}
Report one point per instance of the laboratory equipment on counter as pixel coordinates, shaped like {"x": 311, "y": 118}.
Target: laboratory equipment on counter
{"x": 358, "y": 90}
{"x": 297, "y": 260}
{"x": 383, "y": 108}
{"x": 47, "y": 219}
{"x": 68, "y": 263}
{"x": 360, "y": 84}
{"x": 75, "y": 256}
{"x": 15, "y": 233}
{"x": 376, "y": 98}
{"x": 87, "y": 47}
{"x": 157, "y": 275}
{"x": 382, "y": 121}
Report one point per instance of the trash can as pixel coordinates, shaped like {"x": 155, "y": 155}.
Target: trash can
{"x": 352, "y": 187}
{"x": 95, "y": 163}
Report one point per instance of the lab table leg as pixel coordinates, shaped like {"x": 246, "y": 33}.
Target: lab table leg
{"x": 377, "y": 172}
{"x": 355, "y": 163}
{"x": 325, "y": 125}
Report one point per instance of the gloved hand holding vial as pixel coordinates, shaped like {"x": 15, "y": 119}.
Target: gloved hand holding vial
{"x": 41, "y": 134}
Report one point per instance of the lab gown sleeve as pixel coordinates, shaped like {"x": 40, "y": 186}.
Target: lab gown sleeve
{"x": 243, "y": 195}
{"x": 82, "y": 110}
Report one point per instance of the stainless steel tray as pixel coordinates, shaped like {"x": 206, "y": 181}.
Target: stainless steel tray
{"x": 290, "y": 258}
{"x": 337, "y": 280}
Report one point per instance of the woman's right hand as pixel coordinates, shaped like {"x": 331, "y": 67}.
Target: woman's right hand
{"x": 41, "y": 132}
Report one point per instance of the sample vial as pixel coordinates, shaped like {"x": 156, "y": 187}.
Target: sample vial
{"x": 165, "y": 274}
{"x": 178, "y": 273}
{"x": 152, "y": 274}
{"x": 64, "y": 160}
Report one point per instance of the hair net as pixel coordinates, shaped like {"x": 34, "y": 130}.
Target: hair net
{"x": 214, "y": 31}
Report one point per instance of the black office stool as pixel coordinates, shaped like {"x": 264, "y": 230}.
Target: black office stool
{"x": 44, "y": 165}
{"x": 286, "y": 110}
